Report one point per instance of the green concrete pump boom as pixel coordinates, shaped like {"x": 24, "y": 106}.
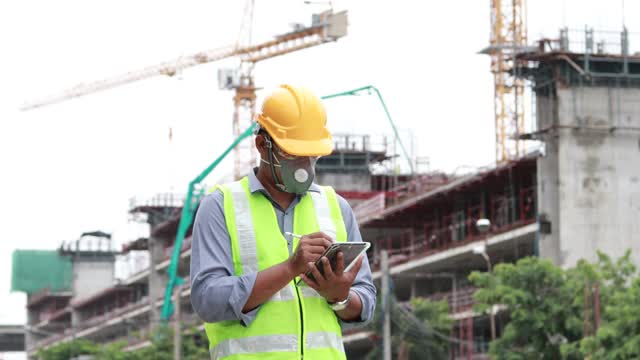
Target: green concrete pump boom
{"x": 192, "y": 199}
{"x": 188, "y": 211}
{"x": 369, "y": 89}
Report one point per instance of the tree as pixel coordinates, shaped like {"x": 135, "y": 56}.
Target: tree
{"x": 553, "y": 311}
{"x": 535, "y": 294}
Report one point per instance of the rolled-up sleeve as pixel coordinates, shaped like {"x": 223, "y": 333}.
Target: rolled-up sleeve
{"x": 363, "y": 284}
{"x": 216, "y": 294}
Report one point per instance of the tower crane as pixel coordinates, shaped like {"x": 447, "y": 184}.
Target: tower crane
{"x": 325, "y": 27}
{"x": 508, "y": 37}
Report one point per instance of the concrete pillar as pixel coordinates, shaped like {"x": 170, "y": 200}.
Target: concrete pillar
{"x": 76, "y": 318}
{"x": 30, "y": 338}
{"x": 588, "y": 181}
{"x": 157, "y": 279}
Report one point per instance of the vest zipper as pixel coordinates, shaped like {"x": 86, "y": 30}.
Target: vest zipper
{"x": 301, "y": 321}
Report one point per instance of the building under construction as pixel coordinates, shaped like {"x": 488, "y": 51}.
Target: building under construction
{"x": 577, "y": 193}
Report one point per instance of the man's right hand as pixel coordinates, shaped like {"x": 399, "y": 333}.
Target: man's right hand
{"x": 310, "y": 248}
{"x": 271, "y": 280}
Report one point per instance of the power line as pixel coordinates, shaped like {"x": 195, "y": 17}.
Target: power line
{"x": 423, "y": 327}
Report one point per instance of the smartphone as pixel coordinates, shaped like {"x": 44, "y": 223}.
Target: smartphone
{"x": 350, "y": 251}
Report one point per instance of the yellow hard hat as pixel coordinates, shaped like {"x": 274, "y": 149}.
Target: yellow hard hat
{"x": 296, "y": 120}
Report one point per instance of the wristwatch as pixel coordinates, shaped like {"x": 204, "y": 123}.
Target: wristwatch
{"x": 341, "y": 305}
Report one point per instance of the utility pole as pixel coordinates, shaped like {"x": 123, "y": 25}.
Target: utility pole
{"x": 484, "y": 225}
{"x": 587, "y": 323}
{"x": 492, "y": 314}
{"x": 482, "y": 250}
{"x": 177, "y": 333}
{"x": 596, "y": 307}
{"x": 386, "y": 330}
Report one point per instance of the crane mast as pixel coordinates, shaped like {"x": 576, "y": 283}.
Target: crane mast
{"x": 508, "y": 36}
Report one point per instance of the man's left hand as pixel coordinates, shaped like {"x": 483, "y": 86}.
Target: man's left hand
{"x": 334, "y": 285}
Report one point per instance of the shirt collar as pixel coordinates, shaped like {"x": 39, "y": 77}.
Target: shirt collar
{"x": 256, "y": 185}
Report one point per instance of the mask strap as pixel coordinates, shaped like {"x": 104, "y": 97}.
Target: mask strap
{"x": 268, "y": 163}
{"x": 279, "y": 185}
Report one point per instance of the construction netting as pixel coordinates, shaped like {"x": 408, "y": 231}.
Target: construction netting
{"x": 35, "y": 270}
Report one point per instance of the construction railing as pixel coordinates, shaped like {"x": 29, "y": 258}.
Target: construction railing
{"x": 590, "y": 41}
{"x": 363, "y": 143}
{"x": 113, "y": 312}
{"x": 458, "y": 228}
{"x": 373, "y": 207}
{"x": 157, "y": 200}
{"x": 370, "y": 209}
{"x": 417, "y": 185}
{"x": 54, "y": 313}
{"x": 95, "y": 321}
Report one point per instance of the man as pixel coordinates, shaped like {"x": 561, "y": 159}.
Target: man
{"x": 245, "y": 263}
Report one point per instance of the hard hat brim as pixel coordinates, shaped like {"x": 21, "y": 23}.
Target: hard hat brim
{"x": 320, "y": 147}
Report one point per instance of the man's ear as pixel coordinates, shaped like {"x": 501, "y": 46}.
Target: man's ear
{"x": 261, "y": 145}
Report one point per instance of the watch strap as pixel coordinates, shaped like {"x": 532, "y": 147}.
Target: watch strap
{"x": 341, "y": 305}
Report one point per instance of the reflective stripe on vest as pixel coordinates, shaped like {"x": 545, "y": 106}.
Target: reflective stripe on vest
{"x": 244, "y": 228}
{"x": 285, "y": 294}
{"x": 320, "y": 340}
{"x": 255, "y": 344}
{"x": 308, "y": 292}
{"x": 275, "y": 343}
{"x": 323, "y": 214}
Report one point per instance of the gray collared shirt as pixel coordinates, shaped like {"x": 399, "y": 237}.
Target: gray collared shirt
{"x": 218, "y": 295}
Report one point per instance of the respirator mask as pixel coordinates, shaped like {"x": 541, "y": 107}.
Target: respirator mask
{"x": 296, "y": 172}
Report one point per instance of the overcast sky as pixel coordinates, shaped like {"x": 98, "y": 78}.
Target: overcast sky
{"x": 72, "y": 167}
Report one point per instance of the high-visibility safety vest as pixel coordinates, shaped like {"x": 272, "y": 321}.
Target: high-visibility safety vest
{"x": 296, "y": 322}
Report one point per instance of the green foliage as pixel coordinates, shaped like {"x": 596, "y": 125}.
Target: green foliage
{"x": 161, "y": 348}
{"x": 533, "y": 290}
{"x": 546, "y": 305}
{"x": 68, "y": 350}
{"x": 418, "y": 330}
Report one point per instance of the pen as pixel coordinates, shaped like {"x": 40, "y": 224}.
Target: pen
{"x": 293, "y": 235}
